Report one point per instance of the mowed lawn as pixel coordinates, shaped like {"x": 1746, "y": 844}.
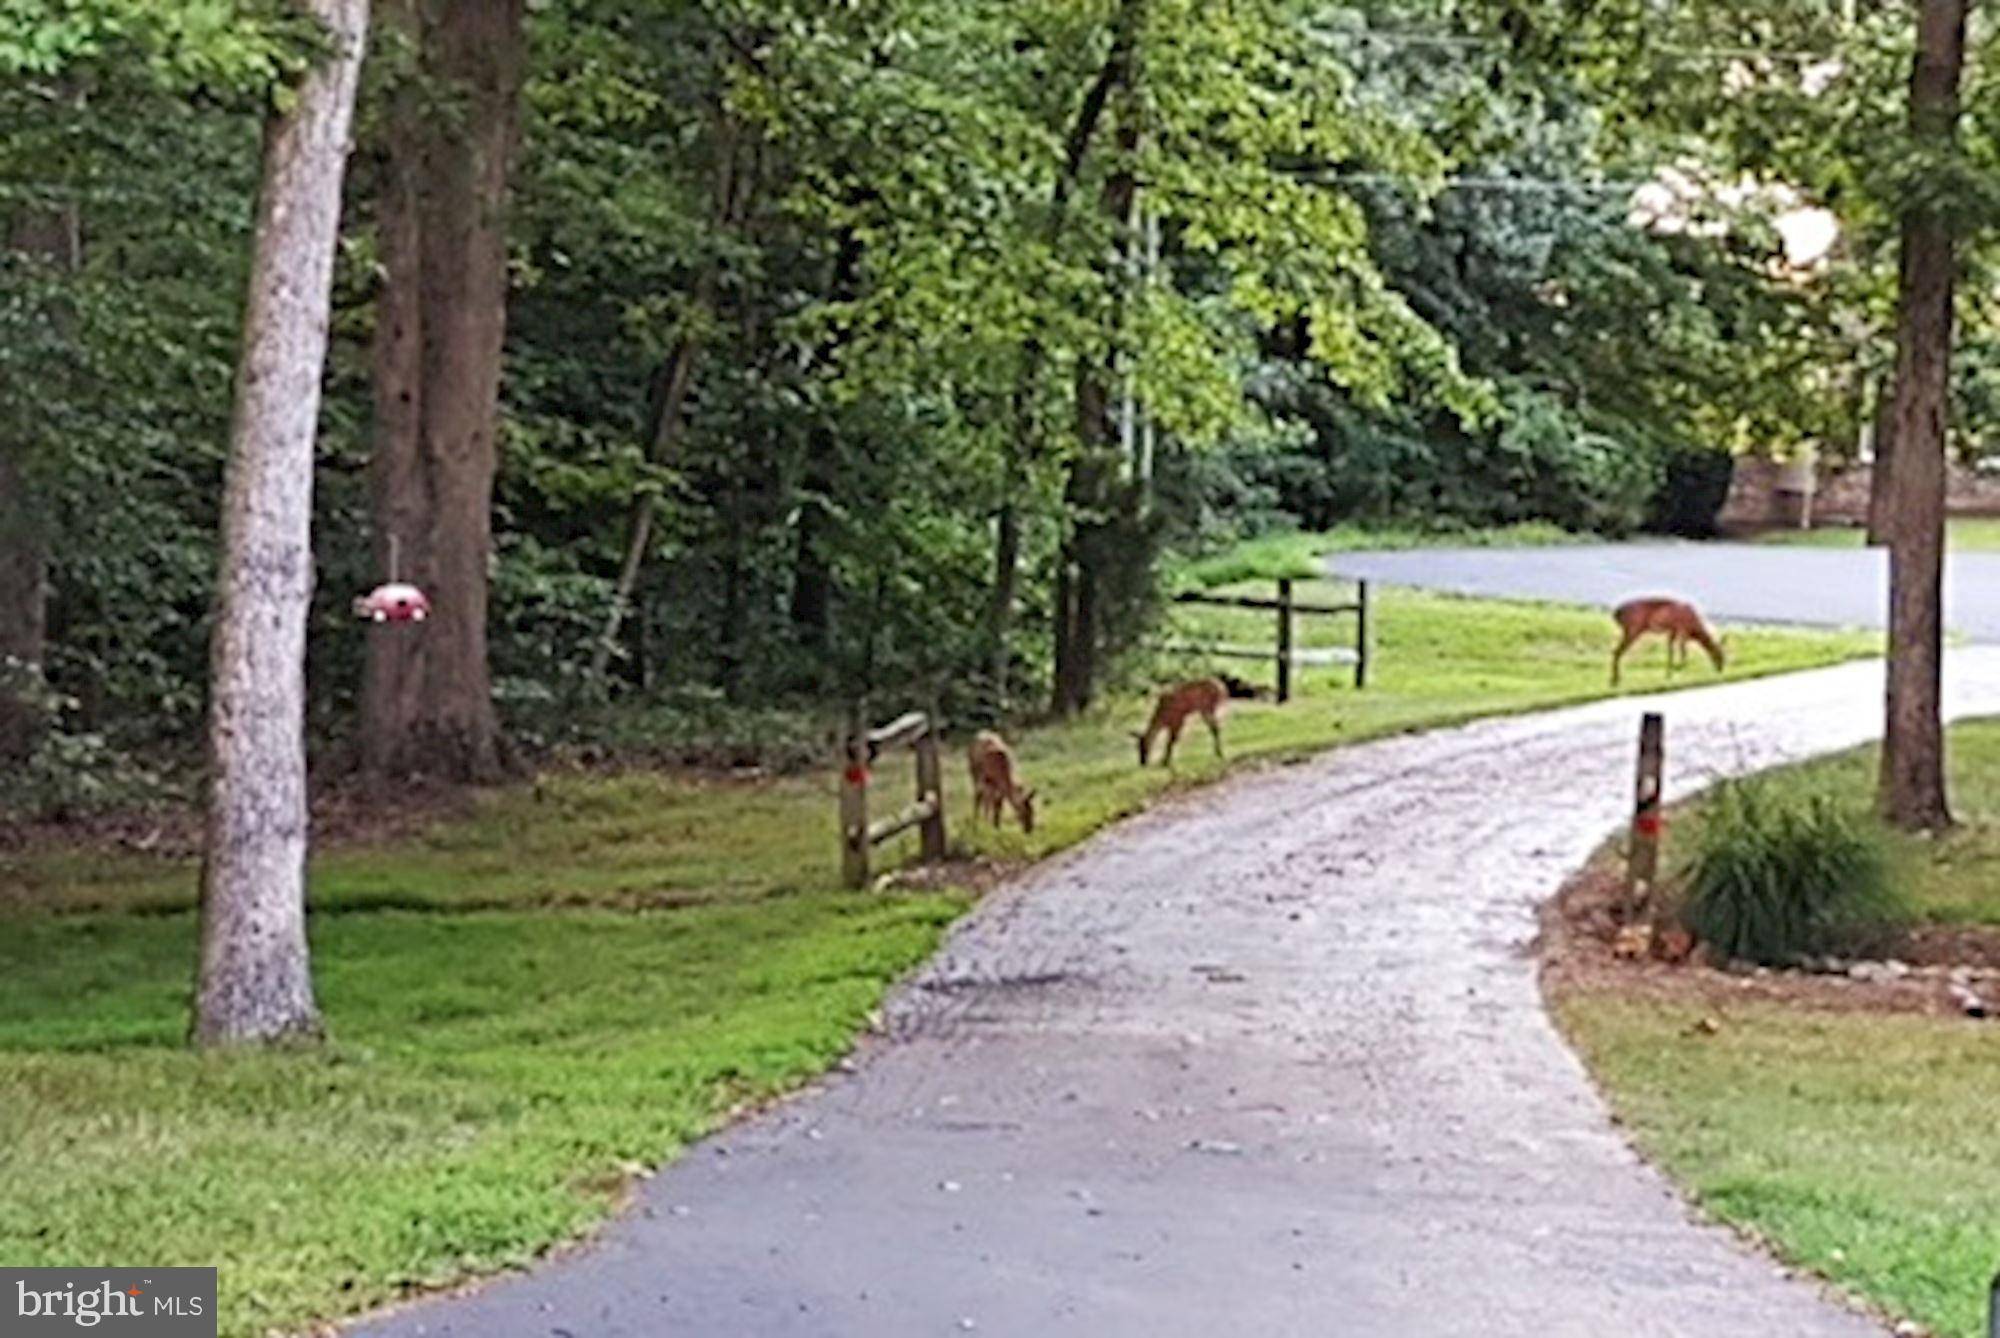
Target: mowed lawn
{"x": 532, "y": 1002}
{"x": 1968, "y": 534}
{"x": 1862, "y": 1146}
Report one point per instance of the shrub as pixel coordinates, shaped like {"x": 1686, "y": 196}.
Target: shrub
{"x": 1779, "y": 873}
{"x": 1693, "y": 488}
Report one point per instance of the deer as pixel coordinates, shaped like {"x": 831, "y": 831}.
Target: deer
{"x": 1676, "y": 618}
{"x": 995, "y": 781}
{"x": 1203, "y": 696}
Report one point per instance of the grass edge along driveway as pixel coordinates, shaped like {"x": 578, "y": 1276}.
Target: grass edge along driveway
{"x": 536, "y": 1002}
{"x": 1858, "y": 1143}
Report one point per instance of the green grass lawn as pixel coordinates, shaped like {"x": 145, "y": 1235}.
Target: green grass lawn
{"x": 1861, "y": 1145}
{"x": 1297, "y": 553}
{"x": 1966, "y": 534}
{"x": 574, "y": 980}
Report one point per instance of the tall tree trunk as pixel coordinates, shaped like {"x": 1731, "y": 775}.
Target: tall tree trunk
{"x": 675, "y": 381}
{"x": 1882, "y": 474}
{"x": 1095, "y": 519}
{"x": 255, "y": 980}
{"x": 1006, "y": 585}
{"x": 428, "y": 698}
{"x": 1911, "y": 789}
{"x": 52, "y": 237}
{"x": 811, "y": 606}
{"x": 731, "y": 192}
{"x": 1026, "y": 438}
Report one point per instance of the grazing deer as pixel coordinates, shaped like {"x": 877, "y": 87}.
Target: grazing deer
{"x": 1204, "y": 697}
{"x": 994, "y": 781}
{"x": 1677, "y": 619}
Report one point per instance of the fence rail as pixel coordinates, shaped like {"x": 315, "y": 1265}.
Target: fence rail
{"x": 917, "y": 731}
{"x": 1286, "y": 654}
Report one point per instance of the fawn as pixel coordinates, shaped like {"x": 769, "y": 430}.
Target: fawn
{"x": 1676, "y": 618}
{"x": 1204, "y": 697}
{"x": 995, "y": 782}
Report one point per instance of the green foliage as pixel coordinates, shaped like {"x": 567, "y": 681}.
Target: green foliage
{"x": 1778, "y": 873}
{"x": 853, "y": 216}
{"x": 67, "y": 774}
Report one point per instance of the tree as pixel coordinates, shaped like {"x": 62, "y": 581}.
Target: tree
{"x": 50, "y": 237}
{"x": 427, "y": 695}
{"x": 1911, "y": 788}
{"x": 255, "y": 979}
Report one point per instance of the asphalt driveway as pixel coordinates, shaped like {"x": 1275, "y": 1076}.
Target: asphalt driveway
{"x": 1265, "y": 1061}
{"x": 1748, "y": 582}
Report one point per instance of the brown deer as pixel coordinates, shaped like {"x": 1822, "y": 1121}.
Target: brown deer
{"x": 1204, "y": 697}
{"x": 1675, "y": 618}
{"x": 995, "y": 782}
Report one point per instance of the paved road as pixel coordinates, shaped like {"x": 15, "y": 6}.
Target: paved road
{"x": 1831, "y": 587}
{"x": 1269, "y": 1060}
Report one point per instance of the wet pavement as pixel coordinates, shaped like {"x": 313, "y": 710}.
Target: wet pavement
{"x": 1268, "y": 1059}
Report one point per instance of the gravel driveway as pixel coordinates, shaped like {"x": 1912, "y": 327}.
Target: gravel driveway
{"x": 1756, "y": 582}
{"x": 1267, "y": 1060}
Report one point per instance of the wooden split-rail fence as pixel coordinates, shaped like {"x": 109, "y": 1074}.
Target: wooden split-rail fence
{"x": 917, "y": 731}
{"x": 1287, "y": 654}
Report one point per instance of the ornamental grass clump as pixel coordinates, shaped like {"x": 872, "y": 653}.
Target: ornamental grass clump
{"x": 1779, "y": 873}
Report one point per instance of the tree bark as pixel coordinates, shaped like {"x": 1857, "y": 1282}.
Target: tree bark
{"x": 1882, "y": 475}
{"x": 255, "y": 979}
{"x": 427, "y": 692}
{"x": 53, "y": 237}
{"x": 1911, "y": 790}
{"x": 1006, "y": 585}
{"x": 1093, "y": 523}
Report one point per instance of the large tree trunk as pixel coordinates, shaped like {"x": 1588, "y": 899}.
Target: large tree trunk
{"x": 1912, "y": 784}
{"x": 53, "y": 237}
{"x": 427, "y": 697}
{"x": 255, "y": 981}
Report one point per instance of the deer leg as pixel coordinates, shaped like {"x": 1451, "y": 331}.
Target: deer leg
{"x": 1214, "y": 731}
{"x": 1624, "y": 644}
{"x": 1173, "y": 737}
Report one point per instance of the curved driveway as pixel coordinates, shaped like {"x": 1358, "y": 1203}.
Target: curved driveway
{"x": 1268, "y": 1060}
{"x": 1845, "y": 587}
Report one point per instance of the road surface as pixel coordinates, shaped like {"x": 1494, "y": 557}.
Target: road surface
{"x": 1752, "y": 582}
{"x": 1266, "y": 1060}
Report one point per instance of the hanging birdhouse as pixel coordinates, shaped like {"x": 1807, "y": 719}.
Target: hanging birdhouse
{"x": 394, "y": 602}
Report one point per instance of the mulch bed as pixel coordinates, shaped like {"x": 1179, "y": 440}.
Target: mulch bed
{"x": 1579, "y": 950}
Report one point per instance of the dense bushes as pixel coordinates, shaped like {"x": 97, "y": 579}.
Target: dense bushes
{"x": 1779, "y": 873}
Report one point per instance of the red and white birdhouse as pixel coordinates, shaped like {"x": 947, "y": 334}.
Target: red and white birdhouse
{"x": 395, "y": 602}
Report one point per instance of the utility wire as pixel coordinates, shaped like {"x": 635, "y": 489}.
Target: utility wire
{"x": 1471, "y": 42}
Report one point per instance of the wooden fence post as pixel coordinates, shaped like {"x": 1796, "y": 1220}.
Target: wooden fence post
{"x": 1361, "y": 635}
{"x": 1642, "y": 858}
{"x": 930, "y": 785}
{"x": 1285, "y": 625}
{"x": 854, "y": 811}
